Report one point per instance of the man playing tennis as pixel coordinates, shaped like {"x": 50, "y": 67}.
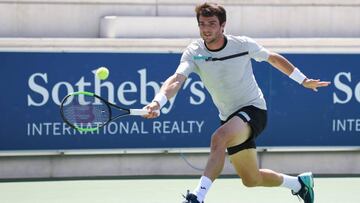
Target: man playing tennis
{"x": 223, "y": 63}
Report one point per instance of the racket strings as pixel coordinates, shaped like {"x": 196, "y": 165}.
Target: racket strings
{"x": 86, "y": 112}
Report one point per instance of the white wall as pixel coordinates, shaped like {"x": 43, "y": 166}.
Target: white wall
{"x": 256, "y": 18}
{"x": 60, "y": 19}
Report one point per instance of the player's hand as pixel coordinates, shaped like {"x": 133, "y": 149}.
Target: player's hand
{"x": 153, "y": 109}
{"x": 314, "y": 84}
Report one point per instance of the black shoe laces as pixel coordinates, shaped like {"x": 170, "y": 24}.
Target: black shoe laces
{"x": 187, "y": 196}
{"x": 303, "y": 193}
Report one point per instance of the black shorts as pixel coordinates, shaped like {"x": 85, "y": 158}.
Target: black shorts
{"x": 256, "y": 118}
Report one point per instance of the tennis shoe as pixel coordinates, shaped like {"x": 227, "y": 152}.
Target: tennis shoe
{"x": 190, "y": 198}
{"x": 307, "y": 184}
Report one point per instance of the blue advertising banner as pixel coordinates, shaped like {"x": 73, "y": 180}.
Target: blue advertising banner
{"x": 34, "y": 84}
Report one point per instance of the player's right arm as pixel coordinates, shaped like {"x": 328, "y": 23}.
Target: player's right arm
{"x": 170, "y": 87}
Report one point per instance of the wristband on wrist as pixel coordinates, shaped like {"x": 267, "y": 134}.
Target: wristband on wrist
{"x": 297, "y": 76}
{"x": 161, "y": 99}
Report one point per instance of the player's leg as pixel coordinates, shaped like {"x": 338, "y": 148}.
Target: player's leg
{"x": 245, "y": 164}
{"x": 237, "y": 134}
{"x": 219, "y": 142}
{"x": 243, "y": 156}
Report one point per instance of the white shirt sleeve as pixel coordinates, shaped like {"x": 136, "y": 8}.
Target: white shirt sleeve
{"x": 186, "y": 65}
{"x": 256, "y": 51}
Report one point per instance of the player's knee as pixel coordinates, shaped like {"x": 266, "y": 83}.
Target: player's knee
{"x": 251, "y": 182}
{"x": 217, "y": 140}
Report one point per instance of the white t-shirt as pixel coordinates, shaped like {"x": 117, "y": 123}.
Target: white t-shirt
{"x": 230, "y": 82}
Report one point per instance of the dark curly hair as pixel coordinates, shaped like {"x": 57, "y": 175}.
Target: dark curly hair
{"x": 209, "y": 10}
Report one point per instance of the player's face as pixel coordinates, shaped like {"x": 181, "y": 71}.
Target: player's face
{"x": 210, "y": 29}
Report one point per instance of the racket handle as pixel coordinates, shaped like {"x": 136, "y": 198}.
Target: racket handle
{"x": 141, "y": 112}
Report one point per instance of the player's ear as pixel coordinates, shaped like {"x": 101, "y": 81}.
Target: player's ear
{"x": 223, "y": 26}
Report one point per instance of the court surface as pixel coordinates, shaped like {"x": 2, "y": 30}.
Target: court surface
{"x": 327, "y": 190}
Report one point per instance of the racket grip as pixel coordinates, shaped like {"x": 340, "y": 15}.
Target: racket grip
{"x": 141, "y": 112}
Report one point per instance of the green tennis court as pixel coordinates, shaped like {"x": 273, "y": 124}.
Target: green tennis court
{"x": 226, "y": 190}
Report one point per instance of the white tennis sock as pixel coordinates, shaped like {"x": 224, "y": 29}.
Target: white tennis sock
{"x": 291, "y": 182}
{"x": 202, "y": 188}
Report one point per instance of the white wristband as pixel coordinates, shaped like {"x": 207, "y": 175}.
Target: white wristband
{"x": 298, "y": 76}
{"x": 161, "y": 99}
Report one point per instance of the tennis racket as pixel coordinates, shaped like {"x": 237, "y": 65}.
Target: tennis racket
{"x": 87, "y": 112}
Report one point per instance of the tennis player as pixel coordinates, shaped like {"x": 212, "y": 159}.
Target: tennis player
{"x": 223, "y": 63}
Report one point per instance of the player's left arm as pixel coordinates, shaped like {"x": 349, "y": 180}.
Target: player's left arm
{"x": 285, "y": 66}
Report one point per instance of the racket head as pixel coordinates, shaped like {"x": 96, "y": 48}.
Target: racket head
{"x": 85, "y": 111}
